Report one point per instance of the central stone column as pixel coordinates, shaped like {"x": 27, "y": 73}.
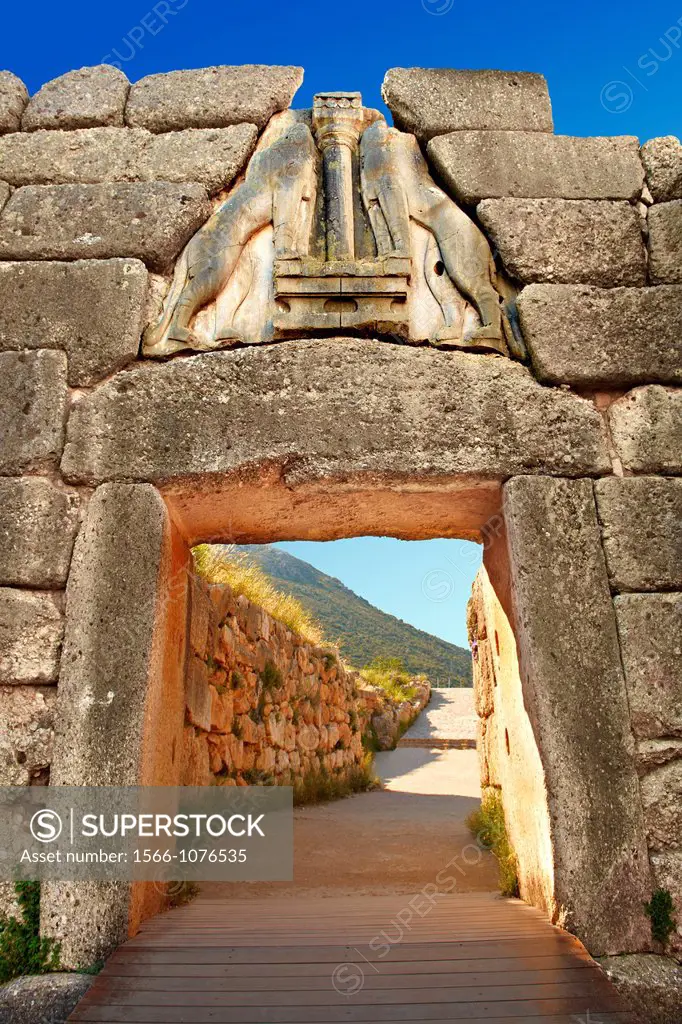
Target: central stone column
{"x": 338, "y": 120}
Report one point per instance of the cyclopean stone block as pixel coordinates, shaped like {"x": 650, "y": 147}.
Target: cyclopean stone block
{"x": 367, "y": 413}
{"x": 211, "y": 97}
{"x": 650, "y": 629}
{"x": 211, "y": 157}
{"x": 13, "y": 99}
{"x": 613, "y": 336}
{"x": 93, "y": 309}
{"x": 665, "y": 243}
{"x": 646, "y": 427}
{"x": 533, "y": 165}
{"x": 5, "y": 191}
{"x": 640, "y": 519}
{"x": 662, "y": 159}
{"x": 651, "y": 985}
{"x": 26, "y": 733}
{"x": 662, "y": 800}
{"x": 43, "y": 998}
{"x": 567, "y": 240}
{"x": 84, "y": 98}
{"x": 31, "y": 632}
{"x": 569, "y": 662}
{"x": 38, "y": 523}
{"x": 33, "y": 399}
{"x": 150, "y": 221}
{"x": 432, "y": 101}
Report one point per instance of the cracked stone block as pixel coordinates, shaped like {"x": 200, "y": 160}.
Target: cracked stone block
{"x": 650, "y": 984}
{"x": 640, "y": 519}
{"x": 26, "y": 734}
{"x": 31, "y": 633}
{"x": 92, "y": 309}
{"x": 662, "y": 801}
{"x": 13, "y": 99}
{"x": 149, "y": 221}
{"x": 567, "y": 241}
{"x": 432, "y": 101}
{"x": 33, "y": 400}
{"x": 650, "y": 631}
{"x": 577, "y": 334}
{"x": 211, "y": 97}
{"x": 38, "y": 523}
{"x": 534, "y": 165}
{"x": 665, "y": 242}
{"x": 662, "y": 159}
{"x": 646, "y": 427}
{"x": 84, "y": 98}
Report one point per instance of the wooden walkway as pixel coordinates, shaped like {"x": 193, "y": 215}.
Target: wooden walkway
{"x": 355, "y": 959}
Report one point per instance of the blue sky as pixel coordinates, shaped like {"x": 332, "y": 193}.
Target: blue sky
{"x": 613, "y": 68}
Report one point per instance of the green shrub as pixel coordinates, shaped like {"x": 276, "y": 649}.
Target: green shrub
{"x": 271, "y": 677}
{"x": 660, "y": 910}
{"x": 317, "y": 787}
{"x": 488, "y": 825}
{"x": 389, "y": 675}
{"x": 22, "y": 951}
{"x": 236, "y": 679}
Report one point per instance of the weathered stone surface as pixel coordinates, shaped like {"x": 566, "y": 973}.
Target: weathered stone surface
{"x": 26, "y": 732}
{"x": 4, "y": 193}
{"x": 33, "y": 397}
{"x": 93, "y": 309}
{"x": 646, "y": 427}
{"x": 662, "y": 801}
{"x": 640, "y": 519}
{"x": 654, "y": 753}
{"x": 665, "y": 242}
{"x": 150, "y": 221}
{"x": 43, "y": 998}
{"x": 38, "y": 524}
{"x": 662, "y": 159}
{"x": 651, "y": 985}
{"x": 650, "y": 630}
{"x": 84, "y": 98}
{"x": 367, "y": 413}
{"x": 111, "y": 611}
{"x": 534, "y": 165}
{"x": 569, "y": 662}
{"x": 13, "y": 99}
{"x": 211, "y": 97}
{"x": 567, "y": 240}
{"x": 432, "y": 101}
{"x": 590, "y": 336}
{"x": 211, "y": 157}
{"x": 31, "y": 631}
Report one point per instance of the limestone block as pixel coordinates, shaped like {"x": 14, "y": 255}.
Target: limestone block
{"x": 662, "y": 159}
{"x": 5, "y": 191}
{"x": 211, "y": 97}
{"x": 13, "y": 99}
{"x": 43, "y": 999}
{"x": 613, "y": 336}
{"x": 432, "y": 101}
{"x": 534, "y": 165}
{"x": 575, "y": 696}
{"x": 211, "y": 157}
{"x": 662, "y": 801}
{"x": 650, "y": 629}
{"x": 665, "y": 242}
{"x": 567, "y": 240}
{"x": 38, "y": 523}
{"x": 109, "y": 646}
{"x": 150, "y": 221}
{"x": 26, "y": 733}
{"x": 646, "y": 427}
{"x": 31, "y": 632}
{"x": 654, "y": 753}
{"x": 33, "y": 399}
{"x": 92, "y": 309}
{"x": 375, "y": 405}
{"x": 650, "y": 985}
{"x": 198, "y": 694}
{"x": 640, "y": 519}
{"x": 84, "y": 98}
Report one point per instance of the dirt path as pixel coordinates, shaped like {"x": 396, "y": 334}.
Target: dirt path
{"x": 394, "y": 840}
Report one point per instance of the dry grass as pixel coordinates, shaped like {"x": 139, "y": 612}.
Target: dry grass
{"x": 389, "y": 675}
{"x": 218, "y": 565}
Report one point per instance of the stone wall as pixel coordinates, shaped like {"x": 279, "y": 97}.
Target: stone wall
{"x": 564, "y": 460}
{"x": 262, "y": 705}
{"x": 386, "y": 719}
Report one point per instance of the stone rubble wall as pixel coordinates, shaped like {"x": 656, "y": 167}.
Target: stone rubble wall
{"x": 386, "y": 719}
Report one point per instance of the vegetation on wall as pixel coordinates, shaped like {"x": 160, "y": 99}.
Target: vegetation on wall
{"x": 22, "y": 951}
{"x": 389, "y": 675}
{"x": 660, "y": 910}
{"x": 487, "y": 824}
{"x": 322, "y": 785}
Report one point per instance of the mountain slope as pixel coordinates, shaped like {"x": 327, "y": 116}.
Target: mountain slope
{"x": 362, "y": 630}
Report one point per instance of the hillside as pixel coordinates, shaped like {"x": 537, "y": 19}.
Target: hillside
{"x": 362, "y": 631}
